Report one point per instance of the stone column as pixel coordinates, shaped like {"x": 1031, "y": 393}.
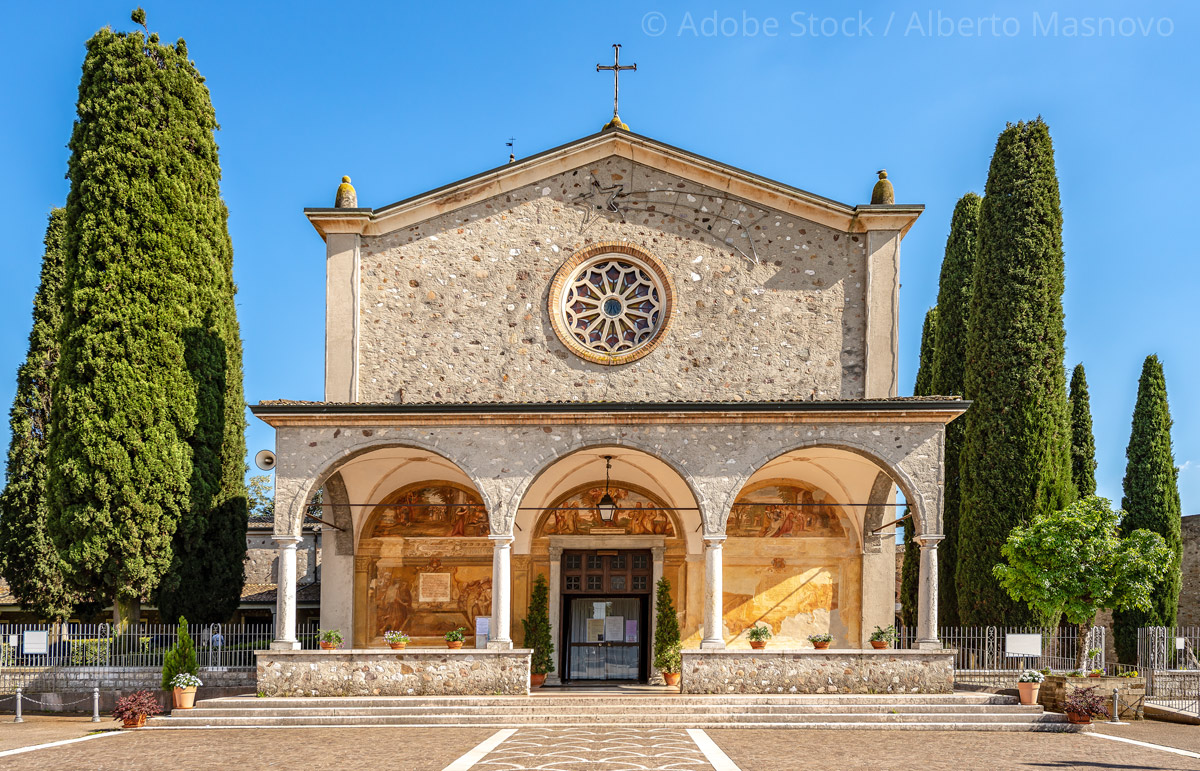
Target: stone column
{"x": 285, "y": 595}
{"x": 555, "y": 677}
{"x": 927, "y": 594}
{"x": 499, "y": 636}
{"x": 655, "y": 576}
{"x": 714, "y": 638}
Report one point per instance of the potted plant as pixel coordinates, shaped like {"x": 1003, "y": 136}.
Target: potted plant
{"x": 1096, "y": 673}
{"x": 454, "y": 638}
{"x": 1129, "y": 673}
{"x": 132, "y": 710}
{"x": 668, "y": 651}
{"x": 180, "y": 659}
{"x": 183, "y": 690}
{"x": 537, "y": 633}
{"x": 882, "y": 638}
{"x": 820, "y": 641}
{"x": 1028, "y": 684}
{"x": 1083, "y": 704}
{"x": 1075, "y": 673}
{"x": 397, "y": 640}
{"x": 758, "y": 636}
{"x": 329, "y": 638}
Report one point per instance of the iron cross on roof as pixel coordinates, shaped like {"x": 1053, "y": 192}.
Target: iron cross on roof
{"x": 616, "y": 68}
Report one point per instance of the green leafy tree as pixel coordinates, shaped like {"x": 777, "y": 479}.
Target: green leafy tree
{"x": 146, "y": 443}
{"x": 28, "y": 559}
{"x": 1076, "y": 563}
{"x": 910, "y": 568}
{"x": 1016, "y": 457}
{"x": 181, "y": 657}
{"x": 537, "y": 628}
{"x": 1151, "y": 502}
{"x": 1083, "y": 444}
{"x": 668, "y": 650}
{"x": 947, "y": 379}
{"x": 260, "y": 495}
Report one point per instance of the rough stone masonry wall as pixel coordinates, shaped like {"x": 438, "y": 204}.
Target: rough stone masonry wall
{"x": 813, "y": 671}
{"x": 455, "y": 308}
{"x": 375, "y": 672}
{"x": 82, "y": 679}
{"x": 1189, "y": 594}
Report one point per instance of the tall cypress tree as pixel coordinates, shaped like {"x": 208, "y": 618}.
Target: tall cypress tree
{"x": 28, "y": 558}
{"x": 1016, "y": 458}
{"x": 949, "y": 357}
{"x": 910, "y": 569}
{"x": 1083, "y": 444}
{"x": 147, "y": 415}
{"x": 1151, "y": 502}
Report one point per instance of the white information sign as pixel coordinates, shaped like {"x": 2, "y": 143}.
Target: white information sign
{"x": 433, "y": 587}
{"x": 1022, "y": 645}
{"x": 614, "y": 629}
{"x": 483, "y": 627}
{"x": 1180, "y": 643}
{"x": 36, "y": 642}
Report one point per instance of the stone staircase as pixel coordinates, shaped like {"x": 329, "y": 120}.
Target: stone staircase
{"x": 949, "y": 712}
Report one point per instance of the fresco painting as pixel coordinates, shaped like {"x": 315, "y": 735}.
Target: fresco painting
{"x": 579, "y": 514}
{"x": 792, "y": 605}
{"x": 786, "y": 510}
{"x": 430, "y": 510}
{"x": 393, "y": 593}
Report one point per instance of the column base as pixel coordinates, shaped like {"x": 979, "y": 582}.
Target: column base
{"x": 552, "y": 678}
{"x": 928, "y": 645}
{"x": 285, "y": 645}
{"x": 712, "y": 645}
{"x": 500, "y": 645}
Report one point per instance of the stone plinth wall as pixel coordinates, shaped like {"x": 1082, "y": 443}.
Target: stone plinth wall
{"x": 1176, "y": 683}
{"x": 84, "y": 679}
{"x": 814, "y": 671}
{"x": 384, "y": 672}
{"x": 1131, "y": 692}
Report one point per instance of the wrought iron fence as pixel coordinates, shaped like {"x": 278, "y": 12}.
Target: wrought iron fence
{"x": 987, "y": 648}
{"x": 1168, "y": 658}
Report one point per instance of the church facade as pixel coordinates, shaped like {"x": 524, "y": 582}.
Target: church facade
{"x": 609, "y": 363}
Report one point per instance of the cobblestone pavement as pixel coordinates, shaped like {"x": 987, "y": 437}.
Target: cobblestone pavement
{"x": 582, "y": 749}
{"x": 42, "y": 729}
{"x": 1184, "y": 737}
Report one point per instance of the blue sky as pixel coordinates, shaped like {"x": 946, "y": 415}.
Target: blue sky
{"x": 407, "y": 97}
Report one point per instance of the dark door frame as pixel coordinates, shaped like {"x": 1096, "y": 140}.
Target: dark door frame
{"x": 643, "y": 637}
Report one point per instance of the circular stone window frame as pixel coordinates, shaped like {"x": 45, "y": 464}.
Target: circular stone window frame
{"x": 569, "y": 270}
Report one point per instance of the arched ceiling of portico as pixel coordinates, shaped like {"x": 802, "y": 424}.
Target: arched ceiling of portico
{"x": 629, "y": 466}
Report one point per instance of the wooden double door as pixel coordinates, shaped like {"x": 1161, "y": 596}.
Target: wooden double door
{"x": 606, "y": 599}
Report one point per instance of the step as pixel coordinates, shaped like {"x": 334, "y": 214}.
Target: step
{"x": 584, "y": 717}
{"x": 561, "y": 702}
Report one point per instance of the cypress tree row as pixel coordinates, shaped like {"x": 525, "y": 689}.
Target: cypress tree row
{"x": 949, "y": 356}
{"x": 1151, "y": 502}
{"x": 911, "y": 567}
{"x": 1016, "y": 458}
{"x": 1083, "y": 444}
{"x": 28, "y": 559}
{"x": 146, "y": 448}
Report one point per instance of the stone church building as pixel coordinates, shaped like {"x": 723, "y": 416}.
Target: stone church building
{"x": 607, "y": 363}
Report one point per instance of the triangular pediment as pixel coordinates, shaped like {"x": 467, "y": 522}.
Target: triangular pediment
{"x": 703, "y": 171}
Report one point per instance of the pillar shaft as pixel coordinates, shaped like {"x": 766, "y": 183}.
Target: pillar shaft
{"x": 285, "y": 595}
{"x": 555, "y": 677}
{"x": 713, "y": 629}
{"x": 500, "y": 635}
{"x": 927, "y": 594}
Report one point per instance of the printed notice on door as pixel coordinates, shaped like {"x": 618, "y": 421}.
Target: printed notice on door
{"x": 433, "y": 587}
{"x": 614, "y": 629}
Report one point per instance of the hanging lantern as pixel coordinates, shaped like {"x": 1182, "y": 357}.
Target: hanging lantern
{"x": 608, "y": 505}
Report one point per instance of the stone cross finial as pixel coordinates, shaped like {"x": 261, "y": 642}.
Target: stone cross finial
{"x": 616, "y": 67}
{"x": 883, "y": 192}
{"x": 346, "y": 197}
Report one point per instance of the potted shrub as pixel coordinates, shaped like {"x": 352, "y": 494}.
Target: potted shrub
{"x": 758, "y": 636}
{"x": 668, "y": 651}
{"x": 180, "y": 659}
{"x": 454, "y": 638}
{"x": 1129, "y": 673}
{"x": 1075, "y": 673}
{"x": 183, "y": 690}
{"x": 537, "y": 633}
{"x": 132, "y": 710}
{"x": 397, "y": 640}
{"x": 1096, "y": 673}
{"x": 1083, "y": 704}
{"x": 1028, "y": 684}
{"x": 329, "y": 639}
{"x": 820, "y": 641}
{"x": 882, "y": 638}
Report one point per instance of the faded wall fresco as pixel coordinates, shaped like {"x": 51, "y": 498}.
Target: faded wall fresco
{"x": 786, "y": 509}
{"x": 578, "y": 513}
{"x": 428, "y": 600}
{"x": 431, "y": 510}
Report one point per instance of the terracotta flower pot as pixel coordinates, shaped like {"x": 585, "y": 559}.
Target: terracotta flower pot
{"x": 183, "y": 698}
{"x": 327, "y": 646}
{"x": 397, "y": 646}
{"x": 1078, "y": 719}
{"x": 879, "y": 644}
{"x": 820, "y": 645}
{"x": 1029, "y": 692}
{"x": 758, "y": 645}
{"x": 672, "y": 678}
{"x": 1093, "y": 675}
{"x": 536, "y": 680}
{"x": 455, "y": 644}
{"x": 137, "y": 722}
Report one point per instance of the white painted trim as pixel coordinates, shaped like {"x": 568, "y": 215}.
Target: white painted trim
{"x": 712, "y": 753}
{"x": 483, "y": 748}
{"x": 31, "y": 748}
{"x": 1185, "y": 753}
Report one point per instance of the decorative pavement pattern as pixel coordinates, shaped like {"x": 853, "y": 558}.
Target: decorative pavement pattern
{"x": 584, "y": 749}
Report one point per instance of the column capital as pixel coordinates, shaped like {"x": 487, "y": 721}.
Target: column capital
{"x": 287, "y": 541}
{"x": 714, "y": 541}
{"x": 658, "y": 552}
{"x": 501, "y": 541}
{"x": 556, "y": 553}
{"x": 928, "y": 541}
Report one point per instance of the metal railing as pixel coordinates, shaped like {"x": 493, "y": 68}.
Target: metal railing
{"x": 985, "y": 648}
{"x": 1168, "y": 658}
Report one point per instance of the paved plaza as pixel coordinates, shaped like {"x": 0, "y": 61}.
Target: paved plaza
{"x": 568, "y": 749}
